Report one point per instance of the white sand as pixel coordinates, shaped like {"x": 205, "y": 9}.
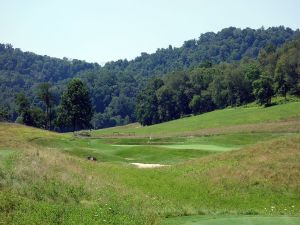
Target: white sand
{"x": 145, "y": 165}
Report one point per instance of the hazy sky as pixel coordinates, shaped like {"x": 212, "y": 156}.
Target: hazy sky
{"x": 104, "y": 30}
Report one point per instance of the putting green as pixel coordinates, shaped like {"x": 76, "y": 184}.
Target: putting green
{"x": 125, "y": 146}
{"x": 188, "y": 146}
{"x": 241, "y": 220}
{"x": 201, "y": 147}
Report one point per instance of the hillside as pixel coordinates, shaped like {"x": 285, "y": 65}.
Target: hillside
{"x": 239, "y": 119}
{"x": 114, "y": 87}
{"x": 248, "y": 172}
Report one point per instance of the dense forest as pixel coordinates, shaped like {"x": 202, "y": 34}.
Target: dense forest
{"x": 228, "y": 68}
{"x": 208, "y": 87}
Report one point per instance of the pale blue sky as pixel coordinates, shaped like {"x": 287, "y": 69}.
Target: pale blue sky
{"x": 100, "y": 31}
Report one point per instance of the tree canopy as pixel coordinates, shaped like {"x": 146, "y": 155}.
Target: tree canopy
{"x": 75, "y": 110}
{"x": 208, "y": 67}
{"x": 205, "y": 88}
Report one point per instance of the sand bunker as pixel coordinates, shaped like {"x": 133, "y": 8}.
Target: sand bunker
{"x": 145, "y": 165}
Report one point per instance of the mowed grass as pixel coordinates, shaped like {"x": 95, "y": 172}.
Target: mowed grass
{"x": 215, "y": 119}
{"x": 249, "y": 220}
{"x": 201, "y": 147}
{"x": 231, "y": 178}
{"x": 160, "y": 150}
{"x": 159, "y": 154}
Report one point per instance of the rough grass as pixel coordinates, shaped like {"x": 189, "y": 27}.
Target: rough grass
{"x": 46, "y": 186}
{"x": 216, "y": 220}
{"x": 46, "y": 179}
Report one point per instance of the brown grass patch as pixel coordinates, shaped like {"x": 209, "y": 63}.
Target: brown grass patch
{"x": 274, "y": 163}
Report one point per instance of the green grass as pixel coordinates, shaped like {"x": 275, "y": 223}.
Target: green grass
{"x": 215, "y": 184}
{"x": 249, "y": 220}
{"x": 214, "y": 148}
{"x": 215, "y": 119}
{"x": 169, "y": 150}
{"x": 4, "y": 153}
{"x": 235, "y": 139}
{"x": 159, "y": 154}
{"x": 125, "y": 153}
{"x": 243, "y": 177}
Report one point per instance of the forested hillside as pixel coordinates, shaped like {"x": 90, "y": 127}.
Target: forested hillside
{"x": 207, "y": 87}
{"x": 225, "y": 46}
{"x": 113, "y": 88}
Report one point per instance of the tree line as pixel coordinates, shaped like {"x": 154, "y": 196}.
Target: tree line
{"x": 114, "y": 87}
{"x": 73, "y": 113}
{"x": 209, "y": 87}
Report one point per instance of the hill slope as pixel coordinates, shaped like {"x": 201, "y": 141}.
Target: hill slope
{"x": 217, "y": 119}
{"x": 45, "y": 177}
{"x": 45, "y": 185}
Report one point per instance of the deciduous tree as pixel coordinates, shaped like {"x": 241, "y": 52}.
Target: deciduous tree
{"x": 75, "y": 110}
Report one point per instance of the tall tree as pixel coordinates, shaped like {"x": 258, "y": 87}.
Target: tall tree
{"x": 147, "y": 103}
{"x": 4, "y": 114}
{"x": 201, "y": 103}
{"x": 45, "y": 95}
{"x": 263, "y": 90}
{"x": 22, "y": 103}
{"x": 28, "y": 115}
{"x": 75, "y": 110}
{"x": 166, "y": 104}
{"x": 287, "y": 73}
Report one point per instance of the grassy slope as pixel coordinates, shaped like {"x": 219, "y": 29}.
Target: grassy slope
{"x": 215, "y": 119}
{"x": 40, "y": 183}
{"x": 237, "y": 220}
